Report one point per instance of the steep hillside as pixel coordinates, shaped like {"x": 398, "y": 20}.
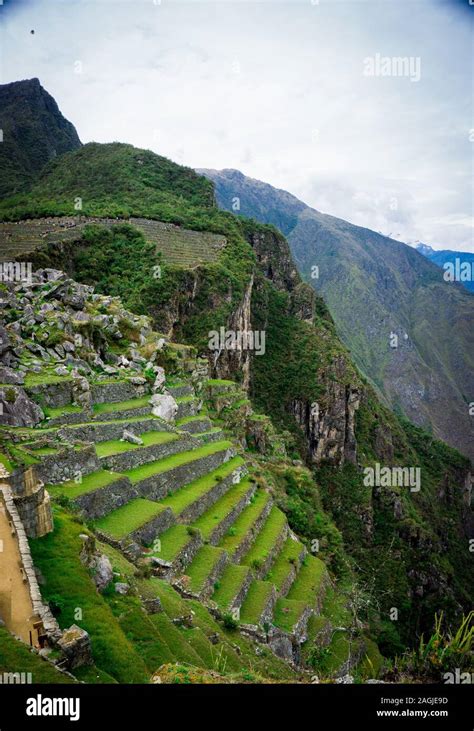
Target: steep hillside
{"x": 409, "y": 547}
{"x": 111, "y": 180}
{"x": 445, "y": 256}
{"x": 172, "y": 503}
{"x": 408, "y": 330}
{"x": 296, "y": 398}
{"x": 34, "y": 132}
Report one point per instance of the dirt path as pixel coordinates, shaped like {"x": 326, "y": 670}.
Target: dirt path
{"x": 16, "y": 608}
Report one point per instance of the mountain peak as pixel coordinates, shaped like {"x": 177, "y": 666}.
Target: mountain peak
{"x": 34, "y": 132}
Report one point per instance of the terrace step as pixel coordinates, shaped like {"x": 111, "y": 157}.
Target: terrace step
{"x": 120, "y": 455}
{"x": 64, "y": 415}
{"x": 232, "y": 587}
{"x": 268, "y": 543}
{"x": 138, "y": 521}
{"x": 174, "y": 550}
{"x": 57, "y": 463}
{"x": 194, "y": 424}
{"x": 53, "y": 391}
{"x": 240, "y": 537}
{"x": 180, "y": 390}
{"x": 122, "y": 409}
{"x": 257, "y": 607}
{"x": 214, "y": 523}
{"x": 188, "y": 406}
{"x": 115, "y": 391}
{"x": 292, "y": 616}
{"x": 215, "y": 386}
{"x": 213, "y": 435}
{"x": 286, "y": 565}
{"x": 102, "y": 431}
{"x": 96, "y": 494}
{"x": 156, "y": 480}
{"x": 310, "y": 583}
{"x": 203, "y": 572}
{"x": 193, "y": 499}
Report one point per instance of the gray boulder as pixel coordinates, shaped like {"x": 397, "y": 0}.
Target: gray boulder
{"x": 8, "y": 375}
{"x": 164, "y": 406}
{"x": 16, "y": 409}
{"x": 129, "y": 436}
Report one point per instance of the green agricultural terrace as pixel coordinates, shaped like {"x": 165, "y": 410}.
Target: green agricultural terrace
{"x": 178, "y": 246}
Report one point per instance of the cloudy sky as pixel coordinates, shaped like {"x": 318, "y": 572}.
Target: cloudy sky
{"x": 279, "y": 90}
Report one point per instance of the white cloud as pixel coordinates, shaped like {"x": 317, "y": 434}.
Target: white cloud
{"x": 275, "y": 89}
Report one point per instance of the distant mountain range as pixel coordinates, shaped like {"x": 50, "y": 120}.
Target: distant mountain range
{"x": 440, "y": 258}
{"x": 34, "y": 132}
{"x": 409, "y": 331}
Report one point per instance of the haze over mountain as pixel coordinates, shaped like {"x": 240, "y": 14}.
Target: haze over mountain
{"x": 446, "y": 256}
{"x": 34, "y": 132}
{"x": 409, "y": 331}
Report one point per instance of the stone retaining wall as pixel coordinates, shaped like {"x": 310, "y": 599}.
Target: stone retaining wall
{"x": 199, "y": 506}
{"x": 50, "y": 624}
{"x": 188, "y": 408}
{"x": 78, "y": 417}
{"x": 35, "y": 512}
{"x": 194, "y": 427}
{"x": 183, "y": 558}
{"x": 125, "y": 414}
{"x": 147, "y": 533}
{"x": 221, "y": 529}
{"x": 250, "y": 536}
{"x": 103, "y": 393}
{"x": 53, "y": 395}
{"x": 214, "y": 575}
{"x": 299, "y": 630}
{"x": 97, "y": 503}
{"x": 287, "y": 584}
{"x": 142, "y": 455}
{"x": 158, "y": 486}
{"x": 97, "y": 432}
{"x": 239, "y": 598}
{"x": 67, "y": 463}
{"x": 180, "y": 391}
{"x": 265, "y": 567}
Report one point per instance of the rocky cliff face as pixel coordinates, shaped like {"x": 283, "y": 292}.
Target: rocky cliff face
{"x": 391, "y": 306}
{"x": 330, "y": 430}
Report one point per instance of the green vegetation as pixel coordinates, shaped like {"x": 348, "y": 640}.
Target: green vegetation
{"x": 16, "y": 657}
{"x": 61, "y": 411}
{"x": 284, "y": 562}
{"x": 109, "y": 408}
{"x": 230, "y": 584}
{"x": 288, "y": 612}
{"x": 175, "y": 460}
{"x": 172, "y": 542}
{"x": 201, "y": 566}
{"x": 218, "y": 512}
{"x": 69, "y": 585}
{"x": 308, "y": 583}
{"x": 128, "y": 518}
{"x": 188, "y": 494}
{"x": 255, "y": 602}
{"x": 266, "y": 539}
{"x": 117, "y": 446}
{"x": 94, "y": 481}
{"x": 244, "y": 522}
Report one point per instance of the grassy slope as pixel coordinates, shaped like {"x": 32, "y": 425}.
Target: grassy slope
{"x": 69, "y": 586}
{"x": 128, "y": 644}
{"x": 15, "y": 657}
